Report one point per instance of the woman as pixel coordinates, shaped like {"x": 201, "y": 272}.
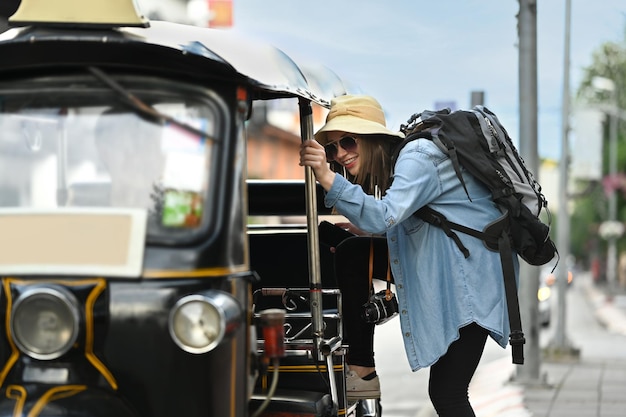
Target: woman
{"x": 448, "y": 304}
{"x": 352, "y": 257}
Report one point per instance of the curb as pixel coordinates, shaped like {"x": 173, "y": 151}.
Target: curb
{"x": 610, "y": 315}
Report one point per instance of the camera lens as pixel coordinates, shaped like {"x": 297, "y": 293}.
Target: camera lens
{"x": 379, "y": 309}
{"x": 371, "y": 313}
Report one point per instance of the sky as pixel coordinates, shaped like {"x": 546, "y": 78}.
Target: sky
{"x": 413, "y": 54}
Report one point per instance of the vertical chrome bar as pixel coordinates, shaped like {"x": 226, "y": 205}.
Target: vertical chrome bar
{"x": 315, "y": 280}
{"x": 331, "y": 378}
{"x": 369, "y": 408}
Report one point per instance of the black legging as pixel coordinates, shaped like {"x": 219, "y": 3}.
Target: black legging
{"x": 352, "y": 273}
{"x": 450, "y": 376}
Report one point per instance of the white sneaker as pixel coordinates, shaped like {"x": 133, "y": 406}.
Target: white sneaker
{"x": 359, "y": 389}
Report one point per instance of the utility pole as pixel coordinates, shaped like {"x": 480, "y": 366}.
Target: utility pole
{"x": 477, "y": 98}
{"x": 529, "y": 275}
{"x": 560, "y": 345}
{"x": 611, "y": 261}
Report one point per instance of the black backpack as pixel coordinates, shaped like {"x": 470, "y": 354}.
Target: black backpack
{"x": 475, "y": 140}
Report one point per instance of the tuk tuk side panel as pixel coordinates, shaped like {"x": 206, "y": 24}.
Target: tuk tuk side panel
{"x": 154, "y": 374}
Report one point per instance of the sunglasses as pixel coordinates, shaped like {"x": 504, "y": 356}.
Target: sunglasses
{"x": 348, "y": 143}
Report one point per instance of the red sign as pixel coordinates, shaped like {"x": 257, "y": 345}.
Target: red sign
{"x": 221, "y": 12}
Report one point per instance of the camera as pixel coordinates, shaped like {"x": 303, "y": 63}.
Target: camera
{"x": 379, "y": 309}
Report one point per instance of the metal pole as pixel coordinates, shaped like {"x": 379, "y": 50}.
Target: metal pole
{"x": 611, "y": 260}
{"x": 315, "y": 277}
{"x": 529, "y": 283}
{"x": 560, "y": 344}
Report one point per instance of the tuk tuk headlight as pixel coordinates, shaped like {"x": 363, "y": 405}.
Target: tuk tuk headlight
{"x": 199, "y": 322}
{"x": 45, "y": 322}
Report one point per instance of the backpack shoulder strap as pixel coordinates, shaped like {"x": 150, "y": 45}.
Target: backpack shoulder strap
{"x": 489, "y": 235}
{"x": 516, "y": 338}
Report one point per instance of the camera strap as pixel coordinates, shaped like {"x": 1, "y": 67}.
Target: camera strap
{"x": 388, "y": 292}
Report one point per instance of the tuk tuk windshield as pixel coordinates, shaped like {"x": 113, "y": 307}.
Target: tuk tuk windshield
{"x": 72, "y": 142}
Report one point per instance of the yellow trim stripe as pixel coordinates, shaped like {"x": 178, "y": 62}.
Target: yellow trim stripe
{"x": 196, "y": 273}
{"x": 89, "y": 330}
{"x": 304, "y": 368}
{"x": 53, "y": 394}
{"x": 17, "y": 393}
{"x": 15, "y": 354}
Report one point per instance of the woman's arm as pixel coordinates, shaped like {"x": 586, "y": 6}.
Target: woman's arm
{"x": 415, "y": 184}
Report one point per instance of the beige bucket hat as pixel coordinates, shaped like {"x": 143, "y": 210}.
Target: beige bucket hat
{"x": 358, "y": 114}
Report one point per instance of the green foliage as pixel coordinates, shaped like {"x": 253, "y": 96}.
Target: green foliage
{"x": 609, "y": 61}
{"x": 589, "y": 211}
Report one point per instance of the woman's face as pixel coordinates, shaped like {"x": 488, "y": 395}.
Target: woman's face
{"x": 343, "y": 148}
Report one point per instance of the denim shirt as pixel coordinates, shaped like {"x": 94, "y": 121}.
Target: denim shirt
{"x": 439, "y": 290}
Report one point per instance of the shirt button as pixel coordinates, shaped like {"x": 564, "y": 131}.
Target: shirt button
{"x": 393, "y": 239}
{"x": 407, "y": 334}
{"x": 403, "y": 311}
{"x": 399, "y": 285}
{"x": 395, "y": 261}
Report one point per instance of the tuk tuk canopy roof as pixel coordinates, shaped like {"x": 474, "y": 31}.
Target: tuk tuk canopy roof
{"x": 207, "y": 53}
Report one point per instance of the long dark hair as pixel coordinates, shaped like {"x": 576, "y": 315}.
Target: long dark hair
{"x": 375, "y": 154}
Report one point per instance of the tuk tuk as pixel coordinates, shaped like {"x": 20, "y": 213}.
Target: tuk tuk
{"x": 133, "y": 284}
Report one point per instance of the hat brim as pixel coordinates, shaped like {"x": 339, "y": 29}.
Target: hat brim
{"x": 352, "y": 124}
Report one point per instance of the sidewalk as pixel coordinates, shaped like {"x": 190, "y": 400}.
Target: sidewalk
{"x": 582, "y": 389}
{"x": 594, "y": 385}
{"x": 591, "y": 386}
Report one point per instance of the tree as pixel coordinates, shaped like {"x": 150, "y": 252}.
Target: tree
{"x": 609, "y": 61}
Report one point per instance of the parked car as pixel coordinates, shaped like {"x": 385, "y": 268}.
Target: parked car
{"x": 550, "y": 278}
{"x": 547, "y": 281}
{"x": 548, "y": 273}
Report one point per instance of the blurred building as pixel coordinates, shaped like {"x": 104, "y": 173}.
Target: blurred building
{"x": 548, "y": 177}
{"x": 274, "y": 140}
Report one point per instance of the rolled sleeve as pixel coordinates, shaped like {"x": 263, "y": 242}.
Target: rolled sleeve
{"x": 334, "y": 194}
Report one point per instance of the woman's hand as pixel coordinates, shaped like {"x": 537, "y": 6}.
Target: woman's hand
{"x": 312, "y": 154}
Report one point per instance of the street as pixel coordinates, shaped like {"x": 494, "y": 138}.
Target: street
{"x": 405, "y": 393}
